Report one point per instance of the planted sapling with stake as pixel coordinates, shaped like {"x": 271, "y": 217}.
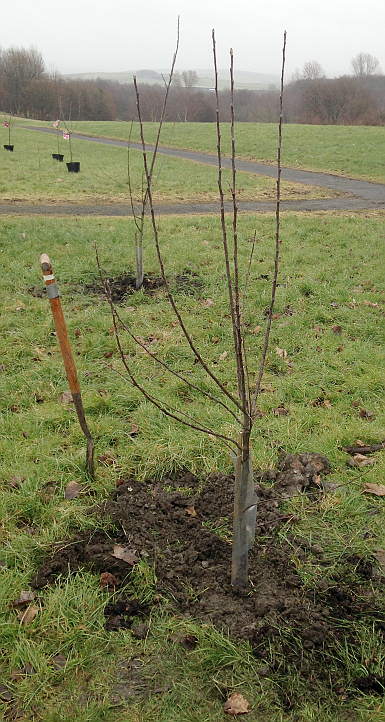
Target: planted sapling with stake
{"x": 73, "y": 165}
{"x": 240, "y": 403}
{"x": 57, "y": 156}
{"x": 8, "y": 124}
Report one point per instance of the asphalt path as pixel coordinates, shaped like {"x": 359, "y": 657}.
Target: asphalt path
{"x": 357, "y": 194}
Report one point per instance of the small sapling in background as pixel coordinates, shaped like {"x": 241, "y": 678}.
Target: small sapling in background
{"x": 73, "y": 165}
{"x": 8, "y": 124}
{"x": 57, "y": 156}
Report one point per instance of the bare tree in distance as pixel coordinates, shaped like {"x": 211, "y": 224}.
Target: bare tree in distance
{"x": 18, "y": 68}
{"x": 240, "y": 403}
{"x": 189, "y": 78}
{"x": 312, "y": 70}
{"x": 365, "y": 64}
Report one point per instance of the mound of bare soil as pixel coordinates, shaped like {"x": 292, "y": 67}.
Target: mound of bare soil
{"x": 185, "y": 531}
{"x": 188, "y": 283}
{"x": 122, "y": 286}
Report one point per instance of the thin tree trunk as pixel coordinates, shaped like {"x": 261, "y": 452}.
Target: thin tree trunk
{"x": 139, "y": 276}
{"x": 245, "y": 509}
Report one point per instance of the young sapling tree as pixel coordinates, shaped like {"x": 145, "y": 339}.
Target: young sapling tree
{"x": 57, "y": 156}
{"x": 72, "y": 166}
{"x": 8, "y": 124}
{"x": 241, "y": 403}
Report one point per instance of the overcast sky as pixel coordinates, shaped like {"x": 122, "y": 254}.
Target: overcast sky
{"x": 118, "y": 35}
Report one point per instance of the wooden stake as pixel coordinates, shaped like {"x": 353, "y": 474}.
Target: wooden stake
{"x": 68, "y": 359}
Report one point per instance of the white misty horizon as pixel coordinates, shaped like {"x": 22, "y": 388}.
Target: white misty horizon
{"x": 83, "y": 36}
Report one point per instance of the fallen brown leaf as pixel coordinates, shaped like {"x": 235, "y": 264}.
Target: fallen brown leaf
{"x": 281, "y": 352}
{"x": 134, "y": 430}
{"x": 15, "y": 482}
{"x": 28, "y": 615}
{"x": 257, "y": 329}
{"x": 59, "y": 661}
{"x": 108, "y": 580}
{"x": 361, "y": 460}
{"x": 380, "y": 556}
{"x": 25, "y": 670}
{"x": 25, "y": 598}
{"x": 207, "y": 303}
{"x": 337, "y": 329}
{"x": 5, "y": 694}
{"x": 370, "y": 303}
{"x": 190, "y": 510}
{"x": 72, "y": 490}
{"x": 66, "y": 398}
{"x": 140, "y": 630}
{"x": 107, "y": 459}
{"x": 236, "y": 704}
{"x": 321, "y": 401}
{"x": 365, "y": 414}
{"x": 268, "y": 389}
{"x": 223, "y": 356}
{"x": 41, "y": 353}
{"x": 125, "y": 554}
{"x": 281, "y": 411}
{"x": 376, "y": 489}
{"x": 190, "y": 641}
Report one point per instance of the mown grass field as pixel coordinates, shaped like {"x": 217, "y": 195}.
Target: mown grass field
{"x": 345, "y": 150}
{"x": 331, "y": 277}
{"x": 29, "y": 173}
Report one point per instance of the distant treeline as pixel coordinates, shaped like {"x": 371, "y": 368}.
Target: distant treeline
{"x": 26, "y": 89}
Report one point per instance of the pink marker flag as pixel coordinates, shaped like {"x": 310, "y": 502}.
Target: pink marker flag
{"x": 66, "y": 135}
{"x": 6, "y": 124}
{"x": 56, "y": 123}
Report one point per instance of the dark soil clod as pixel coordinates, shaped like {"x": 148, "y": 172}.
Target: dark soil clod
{"x": 371, "y": 684}
{"x": 122, "y": 614}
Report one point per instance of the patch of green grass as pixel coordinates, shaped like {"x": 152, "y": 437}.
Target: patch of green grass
{"x": 341, "y": 149}
{"x": 328, "y": 278}
{"x": 30, "y": 173}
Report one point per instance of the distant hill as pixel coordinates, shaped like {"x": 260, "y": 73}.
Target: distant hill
{"x": 243, "y": 78}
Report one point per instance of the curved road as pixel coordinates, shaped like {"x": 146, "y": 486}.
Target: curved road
{"x": 359, "y": 194}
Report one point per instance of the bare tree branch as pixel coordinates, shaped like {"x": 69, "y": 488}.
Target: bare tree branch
{"x": 159, "y": 404}
{"x": 233, "y": 292}
{"x": 277, "y": 240}
{"x": 168, "y": 368}
{"x": 161, "y": 263}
